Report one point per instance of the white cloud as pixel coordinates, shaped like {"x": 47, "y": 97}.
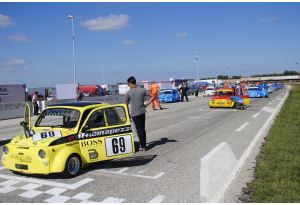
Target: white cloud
{"x": 5, "y": 20}
{"x": 12, "y": 64}
{"x": 180, "y": 35}
{"x": 112, "y": 22}
{"x": 269, "y": 19}
{"x": 19, "y": 38}
{"x": 128, "y": 42}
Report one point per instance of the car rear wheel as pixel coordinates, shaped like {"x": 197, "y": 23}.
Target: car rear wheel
{"x": 73, "y": 166}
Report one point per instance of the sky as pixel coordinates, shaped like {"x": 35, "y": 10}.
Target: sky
{"x": 151, "y": 41}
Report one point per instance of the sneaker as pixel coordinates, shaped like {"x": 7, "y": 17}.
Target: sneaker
{"x": 142, "y": 149}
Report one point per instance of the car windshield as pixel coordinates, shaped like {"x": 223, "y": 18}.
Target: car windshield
{"x": 209, "y": 89}
{"x": 221, "y": 93}
{"x": 58, "y": 117}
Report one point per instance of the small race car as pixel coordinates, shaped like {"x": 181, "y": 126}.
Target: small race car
{"x": 226, "y": 98}
{"x": 209, "y": 91}
{"x": 169, "y": 95}
{"x": 68, "y": 136}
{"x": 258, "y": 92}
{"x": 270, "y": 88}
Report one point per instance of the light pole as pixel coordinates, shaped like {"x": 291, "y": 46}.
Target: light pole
{"x": 228, "y": 72}
{"x": 102, "y": 65}
{"x": 197, "y": 62}
{"x": 73, "y": 41}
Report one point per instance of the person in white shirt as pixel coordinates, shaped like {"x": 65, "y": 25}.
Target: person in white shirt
{"x": 35, "y": 104}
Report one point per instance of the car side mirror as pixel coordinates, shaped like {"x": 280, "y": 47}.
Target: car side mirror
{"x": 24, "y": 124}
{"x": 85, "y": 128}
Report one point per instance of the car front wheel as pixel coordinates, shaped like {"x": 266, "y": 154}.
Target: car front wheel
{"x": 73, "y": 166}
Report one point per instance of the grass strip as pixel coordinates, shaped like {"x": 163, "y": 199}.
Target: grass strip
{"x": 277, "y": 174}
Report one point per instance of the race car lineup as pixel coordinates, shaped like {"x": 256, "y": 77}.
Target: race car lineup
{"x": 69, "y": 136}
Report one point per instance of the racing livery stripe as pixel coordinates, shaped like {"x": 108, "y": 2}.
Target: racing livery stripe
{"x": 93, "y": 134}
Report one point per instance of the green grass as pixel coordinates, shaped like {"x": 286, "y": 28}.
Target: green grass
{"x": 277, "y": 175}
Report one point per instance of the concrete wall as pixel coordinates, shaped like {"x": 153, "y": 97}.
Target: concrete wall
{"x": 11, "y": 110}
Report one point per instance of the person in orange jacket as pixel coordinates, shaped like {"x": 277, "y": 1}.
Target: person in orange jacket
{"x": 154, "y": 91}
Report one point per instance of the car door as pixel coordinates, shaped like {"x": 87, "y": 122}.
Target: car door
{"x": 106, "y": 134}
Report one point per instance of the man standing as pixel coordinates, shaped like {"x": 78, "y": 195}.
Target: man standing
{"x": 154, "y": 91}
{"x": 136, "y": 98}
{"x": 35, "y": 104}
{"x": 79, "y": 96}
{"x": 184, "y": 89}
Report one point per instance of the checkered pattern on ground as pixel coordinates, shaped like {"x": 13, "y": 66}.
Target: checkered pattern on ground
{"x": 33, "y": 190}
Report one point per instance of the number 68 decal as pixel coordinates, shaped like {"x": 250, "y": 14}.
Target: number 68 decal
{"x": 118, "y": 145}
{"x": 44, "y": 135}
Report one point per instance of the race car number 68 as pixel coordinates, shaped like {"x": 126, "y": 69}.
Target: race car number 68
{"x": 44, "y": 135}
{"x": 118, "y": 145}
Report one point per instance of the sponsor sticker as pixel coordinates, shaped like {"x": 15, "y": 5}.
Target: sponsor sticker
{"x": 45, "y": 135}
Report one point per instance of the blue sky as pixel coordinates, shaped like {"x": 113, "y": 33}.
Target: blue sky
{"x": 152, "y": 41}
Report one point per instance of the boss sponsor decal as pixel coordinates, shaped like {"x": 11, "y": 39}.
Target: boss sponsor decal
{"x": 90, "y": 143}
{"x": 105, "y": 132}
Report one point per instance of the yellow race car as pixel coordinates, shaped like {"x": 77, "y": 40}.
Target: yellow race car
{"x": 68, "y": 136}
{"x": 227, "y": 98}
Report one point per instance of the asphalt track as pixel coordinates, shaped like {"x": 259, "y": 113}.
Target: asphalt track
{"x": 178, "y": 137}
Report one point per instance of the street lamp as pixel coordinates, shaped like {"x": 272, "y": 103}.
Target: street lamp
{"x": 197, "y": 62}
{"x": 102, "y": 65}
{"x": 73, "y": 41}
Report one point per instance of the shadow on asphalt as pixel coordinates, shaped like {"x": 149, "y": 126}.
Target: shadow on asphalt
{"x": 162, "y": 141}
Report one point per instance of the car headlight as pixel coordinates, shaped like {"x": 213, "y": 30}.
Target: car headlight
{"x": 42, "y": 153}
{"x": 5, "y": 149}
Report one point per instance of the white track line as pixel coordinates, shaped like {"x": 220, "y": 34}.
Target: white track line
{"x": 254, "y": 116}
{"x": 132, "y": 175}
{"x": 112, "y": 200}
{"x": 268, "y": 109}
{"x": 122, "y": 170}
{"x": 48, "y": 183}
{"x": 242, "y": 127}
{"x": 157, "y": 199}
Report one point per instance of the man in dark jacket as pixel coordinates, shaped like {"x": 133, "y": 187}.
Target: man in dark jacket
{"x": 184, "y": 88}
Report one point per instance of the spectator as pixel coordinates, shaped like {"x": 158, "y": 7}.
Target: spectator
{"x": 154, "y": 91}
{"x": 183, "y": 88}
{"x": 35, "y": 103}
{"x": 79, "y": 95}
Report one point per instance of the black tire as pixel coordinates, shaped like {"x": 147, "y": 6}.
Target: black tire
{"x": 73, "y": 166}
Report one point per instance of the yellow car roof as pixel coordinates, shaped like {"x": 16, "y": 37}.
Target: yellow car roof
{"x": 80, "y": 104}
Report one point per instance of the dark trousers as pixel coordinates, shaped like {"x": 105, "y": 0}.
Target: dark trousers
{"x": 139, "y": 122}
{"x": 35, "y": 109}
{"x": 184, "y": 94}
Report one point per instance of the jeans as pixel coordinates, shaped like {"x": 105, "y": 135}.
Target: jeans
{"x": 139, "y": 122}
